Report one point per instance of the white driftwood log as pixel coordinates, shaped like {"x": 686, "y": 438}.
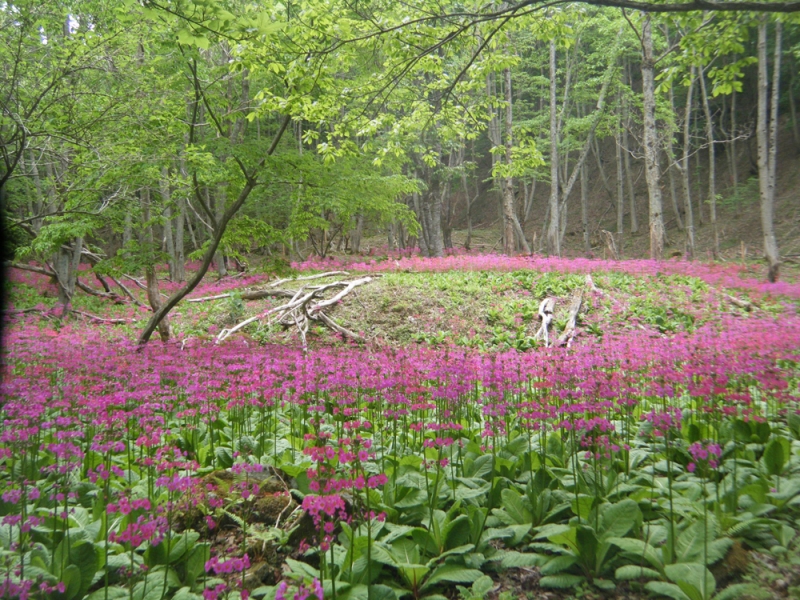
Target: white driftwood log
{"x": 306, "y": 304}
{"x": 572, "y": 321}
{"x": 546, "y": 309}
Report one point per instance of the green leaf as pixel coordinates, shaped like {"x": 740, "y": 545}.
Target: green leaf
{"x": 224, "y": 456}
{"x": 666, "y": 589}
{"x": 558, "y": 564}
{"x": 618, "y": 519}
{"x": 114, "y": 593}
{"x": 561, "y": 581}
{"x": 691, "y": 576}
{"x": 635, "y": 572}
{"x": 638, "y": 548}
{"x": 451, "y": 574}
{"x": 774, "y": 457}
{"x": 457, "y": 532}
{"x": 733, "y": 592}
{"x": 512, "y": 503}
{"x": 514, "y": 559}
{"x": 186, "y": 593}
{"x": 71, "y": 577}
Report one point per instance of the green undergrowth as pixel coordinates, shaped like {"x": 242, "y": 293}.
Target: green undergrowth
{"x": 499, "y": 311}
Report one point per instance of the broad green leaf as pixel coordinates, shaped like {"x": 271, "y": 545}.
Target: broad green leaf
{"x": 561, "y": 581}
{"x": 451, "y": 574}
{"x": 634, "y": 572}
{"x": 774, "y": 457}
{"x": 670, "y": 590}
{"x": 690, "y": 576}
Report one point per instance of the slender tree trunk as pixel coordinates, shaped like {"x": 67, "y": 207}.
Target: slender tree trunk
{"x": 652, "y": 169}
{"x": 734, "y": 153}
{"x": 180, "y": 251}
{"x": 699, "y": 184}
{"x": 620, "y": 190}
{"x": 793, "y": 105}
{"x": 153, "y": 293}
{"x": 553, "y": 230}
{"x": 712, "y": 187}
{"x": 511, "y": 224}
{"x": 671, "y": 168}
{"x": 358, "y": 233}
{"x": 219, "y": 205}
{"x": 433, "y": 205}
{"x": 587, "y": 247}
{"x": 684, "y": 167}
{"x": 468, "y": 208}
{"x": 766, "y": 133}
{"x": 626, "y": 152}
{"x": 36, "y": 224}
{"x": 168, "y": 240}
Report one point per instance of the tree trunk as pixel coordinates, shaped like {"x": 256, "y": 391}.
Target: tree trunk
{"x": 153, "y": 293}
{"x": 734, "y": 153}
{"x": 511, "y": 224}
{"x": 168, "y": 240}
{"x": 793, "y": 106}
{"x": 652, "y": 169}
{"x": 433, "y": 208}
{"x": 587, "y": 247}
{"x": 712, "y": 187}
{"x": 468, "y": 208}
{"x": 620, "y": 190}
{"x": 626, "y": 152}
{"x": 180, "y": 251}
{"x": 219, "y": 206}
{"x": 766, "y": 133}
{"x": 670, "y": 169}
{"x": 355, "y": 240}
{"x": 553, "y": 230}
{"x": 65, "y": 264}
{"x": 684, "y": 167}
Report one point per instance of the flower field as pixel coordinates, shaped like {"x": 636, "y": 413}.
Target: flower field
{"x": 647, "y": 460}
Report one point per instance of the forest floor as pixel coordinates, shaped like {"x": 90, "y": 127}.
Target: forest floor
{"x": 410, "y": 302}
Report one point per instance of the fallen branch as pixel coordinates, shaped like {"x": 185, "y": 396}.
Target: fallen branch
{"x": 338, "y": 328}
{"x": 127, "y": 292}
{"x": 743, "y": 304}
{"x": 100, "y": 319}
{"x": 307, "y": 277}
{"x": 302, "y": 308}
{"x": 251, "y": 295}
{"x": 546, "y": 308}
{"x": 572, "y": 322}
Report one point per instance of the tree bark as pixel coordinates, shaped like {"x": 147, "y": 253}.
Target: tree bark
{"x": 620, "y": 189}
{"x": 652, "y": 169}
{"x": 766, "y": 134}
{"x": 219, "y": 207}
{"x": 587, "y": 247}
{"x": 65, "y": 265}
{"x": 683, "y": 165}
{"x": 670, "y": 169}
{"x": 168, "y": 239}
{"x": 553, "y": 230}
{"x": 180, "y": 251}
{"x": 626, "y": 152}
{"x": 712, "y": 187}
